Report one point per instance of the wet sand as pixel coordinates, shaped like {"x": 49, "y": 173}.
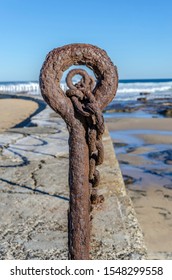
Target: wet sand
{"x": 14, "y": 111}
{"x": 144, "y": 151}
{"x": 139, "y": 123}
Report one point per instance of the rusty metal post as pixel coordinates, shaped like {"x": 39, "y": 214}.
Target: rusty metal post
{"x": 78, "y": 215}
{"x": 81, "y": 108}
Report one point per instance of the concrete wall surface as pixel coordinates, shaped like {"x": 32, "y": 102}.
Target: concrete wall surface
{"x": 34, "y": 197}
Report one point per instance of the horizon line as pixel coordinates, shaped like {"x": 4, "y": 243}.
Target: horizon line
{"x": 126, "y": 79}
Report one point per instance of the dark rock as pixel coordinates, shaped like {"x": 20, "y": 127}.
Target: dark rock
{"x": 124, "y": 107}
{"x": 165, "y": 156}
{"x": 144, "y": 93}
{"x": 168, "y": 161}
{"x": 129, "y": 109}
{"x": 131, "y": 149}
{"x": 169, "y": 197}
{"x": 143, "y": 99}
{"x": 140, "y": 192}
{"x": 155, "y": 172}
{"x": 119, "y": 110}
{"x": 123, "y": 162}
{"x": 119, "y": 145}
{"x": 168, "y": 186}
{"x": 128, "y": 180}
{"x": 166, "y": 112}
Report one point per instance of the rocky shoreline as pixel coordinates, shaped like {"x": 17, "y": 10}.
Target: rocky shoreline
{"x": 154, "y": 108}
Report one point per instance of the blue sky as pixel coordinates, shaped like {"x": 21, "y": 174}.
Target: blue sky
{"x": 136, "y": 34}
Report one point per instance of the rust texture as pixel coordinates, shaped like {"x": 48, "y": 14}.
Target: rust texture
{"x": 81, "y": 107}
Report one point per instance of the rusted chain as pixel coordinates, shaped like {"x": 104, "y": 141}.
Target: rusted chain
{"x": 80, "y": 106}
{"x": 86, "y": 105}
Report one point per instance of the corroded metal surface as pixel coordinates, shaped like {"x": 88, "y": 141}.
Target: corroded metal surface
{"x": 80, "y": 106}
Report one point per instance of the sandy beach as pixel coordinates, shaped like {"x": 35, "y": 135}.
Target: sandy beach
{"x": 14, "y": 111}
{"x": 143, "y": 148}
{"x": 139, "y": 123}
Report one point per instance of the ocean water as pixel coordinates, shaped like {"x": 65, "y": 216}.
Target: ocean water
{"x": 153, "y": 88}
{"x": 128, "y": 90}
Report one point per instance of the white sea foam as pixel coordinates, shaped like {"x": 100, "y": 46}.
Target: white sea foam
{"x": 18, "y": 87}
{"x": 126, "y": 90}
{"x": 140, "y": 87}
{"x": 132, "y": 91}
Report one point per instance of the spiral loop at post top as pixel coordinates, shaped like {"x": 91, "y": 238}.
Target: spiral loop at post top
{"x": 60, "y": 59}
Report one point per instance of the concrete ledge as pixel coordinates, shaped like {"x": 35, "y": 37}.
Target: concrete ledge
{"x": 34, "y": 197}
{"x": 116, "y": 233}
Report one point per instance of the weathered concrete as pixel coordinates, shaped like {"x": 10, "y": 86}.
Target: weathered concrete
{"x": 115, "y": 230}
{"x": 34, "y": 197}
